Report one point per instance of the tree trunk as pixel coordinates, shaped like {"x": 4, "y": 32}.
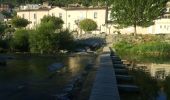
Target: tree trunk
{"x": 135, "y": 30}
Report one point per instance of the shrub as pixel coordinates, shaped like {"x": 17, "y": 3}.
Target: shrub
{"x": 19, "y": 22}
{"x": 58, "y": 22}
{"x": 65, "y": 40}
{"x": 42, "y": 40}
{"x": 20, "y": 41}
{"x": 88, "y": 25}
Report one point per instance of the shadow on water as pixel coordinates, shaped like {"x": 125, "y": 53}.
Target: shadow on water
{"x": 27, "y": 77}
{"x": 152, "y": 77}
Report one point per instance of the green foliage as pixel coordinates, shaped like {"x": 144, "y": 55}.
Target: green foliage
{"x": 6, "y": 14}
{"x": 42, "y": 40}
{"x": 57, "y": 21}
{"x": 20, "y": 40}
{"x": 154, "y": 49}
{"x": 137, "y": 12}
{"x": 2, "y": 28}
{"x": 65, "y": 40}
{"x": 88, "y": 25}
{"x": 19, "y": 22}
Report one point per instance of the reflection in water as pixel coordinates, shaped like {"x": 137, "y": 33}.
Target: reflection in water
{"x": 28, "y": 78}
{"x": 159, "y": 71}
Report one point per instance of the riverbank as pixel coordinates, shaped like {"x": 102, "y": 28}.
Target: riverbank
{"x": 142, "y": 45}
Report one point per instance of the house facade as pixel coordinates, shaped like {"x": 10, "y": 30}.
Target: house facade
{"x": 162, "y": 25}
{"x": 73, "y": 15}
{"x": 5, "y": 7}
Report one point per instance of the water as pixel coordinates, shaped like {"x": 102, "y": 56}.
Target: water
{"x": 158, "y": 69}
{"x": 151, "y": 76}
{"x": 28, "y": 78}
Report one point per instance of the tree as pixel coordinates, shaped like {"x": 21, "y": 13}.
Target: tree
{"x": 58, "y": 22}
{"x": 88, "y": 25}
{"x": 2, "y": 28}
{"x": 20, "y": 39}
{"x": 19, "y": 22}
{"x": 43, "y": 39}
{"x": 65, "y": 40}
{"x": 137, "y": 12}
{"x": 6, "y": 14}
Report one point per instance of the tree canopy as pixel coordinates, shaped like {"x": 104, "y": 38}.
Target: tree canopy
{"x": 20, "y": 41}
{"x": 19, "y": 22}
{"x": 88, "y": 25}
{"x": 2, "y": 28}
{"x": 137, "y": 12}
{"x": 58, "y": 22}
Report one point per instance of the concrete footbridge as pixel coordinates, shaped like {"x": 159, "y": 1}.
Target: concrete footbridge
{"x": 111, "y": 70}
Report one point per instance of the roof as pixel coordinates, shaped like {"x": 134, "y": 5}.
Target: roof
{"x": 41, "y": 9}
{"x": 83, "y": 8}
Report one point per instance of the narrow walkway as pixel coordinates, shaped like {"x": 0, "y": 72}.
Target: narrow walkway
{"x": 105, "y": 85}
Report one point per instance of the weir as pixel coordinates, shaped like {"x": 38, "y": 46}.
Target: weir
{"x": 105, "y": 85}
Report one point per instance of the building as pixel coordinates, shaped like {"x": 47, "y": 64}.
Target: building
{"x": 72, "y": 15}
{"x": 6, "y": 7}
{"x": 34, "y": 6}
{"x": 30, "y": 6}
{"x": 162, "y": 25}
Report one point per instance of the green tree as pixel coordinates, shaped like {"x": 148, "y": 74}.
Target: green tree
{"x": 20, "y": 41}
{"x": 88, "y": 25}
{"x": 6, "y": 14}
{"x": 137, "y": 12}
{"x": 42, "y": 40}
{"x": 58, "y": 22}
{"x": 2, "y": 28}
{"x": 19, "y": 22}
{"x": 65, "y": 40}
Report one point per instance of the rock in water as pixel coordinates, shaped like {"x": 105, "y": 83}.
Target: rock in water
{"x": 55, "y": 67}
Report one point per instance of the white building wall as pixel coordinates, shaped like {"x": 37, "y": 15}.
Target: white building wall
{"x": 33, "y": 16}
{"x": 70, "y": 16}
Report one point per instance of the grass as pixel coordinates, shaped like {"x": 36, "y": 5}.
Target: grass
{"x": 147, "y": 49}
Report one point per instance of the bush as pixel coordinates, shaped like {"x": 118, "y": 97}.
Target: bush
{"x": 19, "y": 22}
{"x": 154, "y": 49}
{"x": 42, "y": 40}
{"x": 65, "y": 40}
{"x": 88, "y": 25}
{"x": 20, "y": 41}
{"x": 58, "y": 22}
{"x": 2, "y": 28}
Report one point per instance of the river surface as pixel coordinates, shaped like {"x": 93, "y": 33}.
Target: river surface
{"x": 27, "y": 77}
{"x": 158, "y": 68}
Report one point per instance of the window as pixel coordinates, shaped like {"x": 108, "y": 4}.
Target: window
{"x": 160, "y": 26}
{"x": 35, "y": 16}
{"x": 69, "y": 15}
{"x": 60, "y": 15}
{"x": 164, "y": 26}
{"x": 23, "y": 16}
{"x": 52, "y": 14}
{"x": 68, "y": 25}
{"x": 95, "y": 14}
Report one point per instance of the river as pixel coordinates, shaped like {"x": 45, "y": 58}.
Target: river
{"x": 27, "y": 77}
